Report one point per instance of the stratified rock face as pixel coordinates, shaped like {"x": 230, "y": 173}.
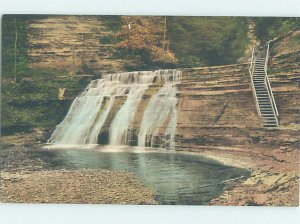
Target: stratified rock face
{"x": 285, "y": 80}
{"x": 71, "y": 43}
{"x": 217, "y": 96}
{"x": 216, "y": 105}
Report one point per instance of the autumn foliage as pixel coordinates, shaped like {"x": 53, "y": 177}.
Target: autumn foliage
{"x": 146, "y": 35}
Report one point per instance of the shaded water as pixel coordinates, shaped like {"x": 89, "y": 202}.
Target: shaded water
{"x": 176, "y": 177}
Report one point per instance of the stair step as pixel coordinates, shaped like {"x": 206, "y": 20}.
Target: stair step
{"x": 265, "y": 104}
{"x": 266, "y": 111}
{"x": 269, "y": 123}
{"x": 269, "y": 118}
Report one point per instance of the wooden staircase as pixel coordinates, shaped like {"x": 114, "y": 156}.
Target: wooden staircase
{"x": 261, "y": 88}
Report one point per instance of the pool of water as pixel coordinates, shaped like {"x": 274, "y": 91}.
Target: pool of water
{"x": 177, "y": 178}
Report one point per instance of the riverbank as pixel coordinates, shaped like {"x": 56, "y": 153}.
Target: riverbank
{"x": 274, "y": 179}
{"x": 25, "y": 178}
{"x": 76, "y": 186}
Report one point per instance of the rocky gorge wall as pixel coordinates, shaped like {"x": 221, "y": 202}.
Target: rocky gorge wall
{"x": 216, "y": 105}
{"x": 73, "y": 43}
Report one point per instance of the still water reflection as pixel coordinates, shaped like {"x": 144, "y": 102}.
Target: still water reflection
{"x": 177, "y": 178}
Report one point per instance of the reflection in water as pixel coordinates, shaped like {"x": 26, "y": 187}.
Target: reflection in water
{"x": 175, "y": 177}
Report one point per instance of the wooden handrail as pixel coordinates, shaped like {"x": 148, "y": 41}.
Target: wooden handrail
{"x": 251, "y": 71}
{"x": 269, "y": 88}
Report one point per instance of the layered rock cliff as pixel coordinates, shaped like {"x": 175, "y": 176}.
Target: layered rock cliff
{"x": 216, "y": 105}
{"x": 73, "y": 43}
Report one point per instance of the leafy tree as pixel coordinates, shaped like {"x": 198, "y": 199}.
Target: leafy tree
{"x": 146, "y": 36}
{"x": 14, "y": 46}
{"x": 207, "y": 40}
{"x": 267, "y": 28}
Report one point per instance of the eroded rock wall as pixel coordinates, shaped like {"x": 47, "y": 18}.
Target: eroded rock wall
{"x": 72, "y": 43}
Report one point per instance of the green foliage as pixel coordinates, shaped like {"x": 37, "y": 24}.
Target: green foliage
{"x": 191, "y": 61}
{"x": 34, "y": 103}
{"x": 207, "y": 40}
{"x": 10, "y": 25}
{"x": 269, "y": 27}
{"x": 113, "y": 23}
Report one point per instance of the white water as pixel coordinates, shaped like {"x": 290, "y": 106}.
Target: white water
{"x": 163, "y": 105}
{"x": 90, "y": 110}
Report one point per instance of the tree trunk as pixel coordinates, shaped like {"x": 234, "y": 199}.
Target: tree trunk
{"x": 16, "y": 40}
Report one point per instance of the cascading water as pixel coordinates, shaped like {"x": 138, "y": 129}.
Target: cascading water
{"x": 91, "y": 109}
{"x": 163, "y": 105}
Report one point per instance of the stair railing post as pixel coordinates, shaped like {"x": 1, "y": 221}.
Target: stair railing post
{"x": 251, "y": 71}
{"x": 268, "y": 85}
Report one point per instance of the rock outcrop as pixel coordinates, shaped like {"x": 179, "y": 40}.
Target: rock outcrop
{"x": 74, "y": 43}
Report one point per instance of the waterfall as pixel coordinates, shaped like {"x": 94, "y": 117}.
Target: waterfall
{"x": 163, "y": 105}
{"x": 98, "y": 108}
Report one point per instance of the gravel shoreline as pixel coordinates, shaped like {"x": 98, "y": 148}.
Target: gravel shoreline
{"x": 27, "y": 179}
{"x": 76, "y": 186}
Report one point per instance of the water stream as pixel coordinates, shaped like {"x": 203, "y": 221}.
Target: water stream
{"x": 90, "y": 111}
